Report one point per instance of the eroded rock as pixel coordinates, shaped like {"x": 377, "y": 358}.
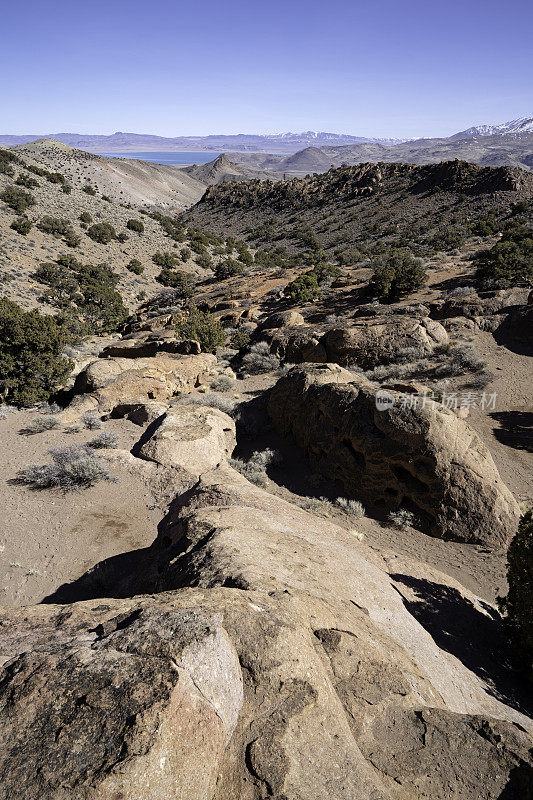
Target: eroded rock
{"x": 424, "y": 459}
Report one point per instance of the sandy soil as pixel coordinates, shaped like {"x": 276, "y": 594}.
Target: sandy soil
{"x": 49, "y": 538}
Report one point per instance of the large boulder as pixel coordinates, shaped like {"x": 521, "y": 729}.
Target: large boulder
{"x": 416, "y": 456}
{"x": 124, "y": 700}
{"x": 297, "y": 669}
{"x": 366, "y": 342}
{"x": 379, "y": 340}
{"x": 197, "y": 438}
{"x": 111, "y": 383}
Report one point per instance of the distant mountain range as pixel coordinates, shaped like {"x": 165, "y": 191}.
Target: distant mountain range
{"x": 280, "y": 143}
{"x": 144, "y": 142}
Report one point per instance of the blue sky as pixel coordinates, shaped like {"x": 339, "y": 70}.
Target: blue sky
{"x": 371, "y": 68}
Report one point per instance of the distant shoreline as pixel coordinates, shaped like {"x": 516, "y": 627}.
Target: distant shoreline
{"x": 177, "y": 158}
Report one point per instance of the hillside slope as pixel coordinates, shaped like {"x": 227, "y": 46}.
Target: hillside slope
{"x": 71, "y": 186}
{"x": 397, "y": 203}
{"x": 140, "y": 183}
{"x": 514, "y": 149}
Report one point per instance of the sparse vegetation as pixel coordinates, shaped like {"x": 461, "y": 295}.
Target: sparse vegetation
{"x": 402, "y": 519}
{"x": 21, "y": 225}
{"x": 176, "y": 279}
{"x": 84, "y": 291}
{"x": 202, "y": 326}
{"x": 510, "y": 261}
{"x": 227, "y": 269}
{"x": 17, "y": 199}
{"x": 397, "y": 275}
{"x": 91, "y": 421}
{"x": 42, "y": 423}
{"x": 106, "y": 439}
{"x": 135, "y": 225}
{"x": 71, "y": 468}
{"x": 303, "y": 289}
{"x": 102, "y": 232}
{"x": 259, "y": 359}
{"x": 31, "y": 363}
{"x": 255, "y": 468}
{"x": 135, "y": 266}
{"x": 519, "y": 601}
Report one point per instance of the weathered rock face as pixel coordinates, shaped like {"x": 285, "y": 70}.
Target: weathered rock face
{"x": 366, "y": 342}
{"x": 294, "y": 670}
{"x": 423, "y": 459}
{"x": 108, "y": 383}
{"x": 297, "y": 669}
{"x": 149, "y": 344}
{"x": 116, "y": 701}
{"x": 376, "y": 340}
{"x": 196, "y": 438}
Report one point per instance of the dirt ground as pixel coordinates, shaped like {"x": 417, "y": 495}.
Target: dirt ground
{"x": 49, "y": 538}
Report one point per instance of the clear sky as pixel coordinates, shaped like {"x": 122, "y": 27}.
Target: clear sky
{"x": 370, "y": 68}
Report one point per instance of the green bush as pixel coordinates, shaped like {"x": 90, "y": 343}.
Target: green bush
{"x": 518, "y": 604}
{"x": 227, "y": 269}
{"x": 168, "y": 260}
{"x": 17, "y": 199}
{"x": 510, "y": 261}
{"x": 7, "y": 159}
{"x": 135, "y": 266}
{"x": 396, "y": 275}
{"x": 86, "y": 217}
{"x": 135, "y": 225}
{"x": 185, "y": 254}
{"x": 21, "y": 225}
{"x": 203, "y": 327}
{"x": 302, "y": 289}
{"x": 205, "y": 261}
{"x": 71, "y": 239}
{"x": 177, "y": 279}
{"x": 102, "y": 232}
{"x": 54, "y": 225}
{"x": 84, "y": 291}
{"x": 31, "y": 365}
{"x": 88, "y": 189}
{"x": 239, "y": 339}
{"x": 27, "y": 181}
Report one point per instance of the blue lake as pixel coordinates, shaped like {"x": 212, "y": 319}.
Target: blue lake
{"x": 177, "y": 159}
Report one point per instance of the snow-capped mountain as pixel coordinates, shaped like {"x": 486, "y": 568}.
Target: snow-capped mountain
{"x": 521, "y": 125}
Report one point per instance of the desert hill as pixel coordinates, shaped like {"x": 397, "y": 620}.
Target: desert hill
{"x": 70, "y": 186}
{"x": 223, "y": 169}
{"x": 423, "y": 207}
{"x": 515, "y": 149}
{"x": 229, "y": 569}
{"x": 140, "y": 183}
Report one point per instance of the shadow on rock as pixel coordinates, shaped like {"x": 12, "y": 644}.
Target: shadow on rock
{"x": 477, "y": 638}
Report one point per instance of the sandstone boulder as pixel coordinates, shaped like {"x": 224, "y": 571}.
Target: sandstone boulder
{"x": 124, "y": 382}
{"x": 378, "y": 340}
{"x": 367, "y": 341}
{"x": 424, "y": 459}
{"x": 296, "y": 669}
{"x": 196, "y": 438}
{"x": 283, "y": 319}
{"x": 126, "y": 700}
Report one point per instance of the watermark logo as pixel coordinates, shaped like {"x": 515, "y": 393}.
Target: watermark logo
{"x": 384, "y": 400}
